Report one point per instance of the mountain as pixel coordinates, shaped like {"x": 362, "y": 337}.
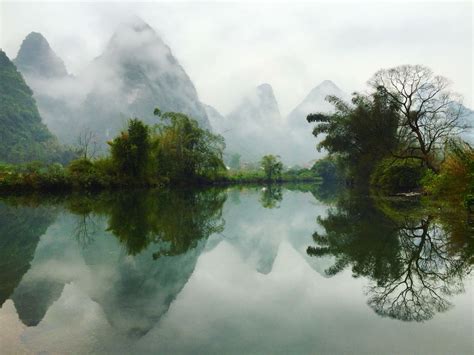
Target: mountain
{"x": 36, "y": 58}
{"x": 258, "y": 108}
{"x": 217, "y": 121}
{"x": 302, "y": 149}
{"x": 253, "y": 128}
{"x": 23, "y": 136}
{"x": 315, "y": 101}
{"x": 54, "y": 89}
{"x": 136, "y": 73}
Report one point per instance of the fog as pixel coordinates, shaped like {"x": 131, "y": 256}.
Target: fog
{"x": 229, "y": 48}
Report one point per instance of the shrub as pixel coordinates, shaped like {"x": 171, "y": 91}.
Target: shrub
{"x": 393, "y": 175}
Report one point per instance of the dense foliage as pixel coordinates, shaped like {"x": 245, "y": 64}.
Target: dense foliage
{"x": 23, "y": 137}
{"x": 272, "y": 166}
{"x": 359, "y": 134}
{"x": 184, "y": 151}
{"x": 398, "y": 137}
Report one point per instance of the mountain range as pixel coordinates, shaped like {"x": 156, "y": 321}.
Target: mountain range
{"x": 136, "y": 73}
{"x": 255, "y": 127}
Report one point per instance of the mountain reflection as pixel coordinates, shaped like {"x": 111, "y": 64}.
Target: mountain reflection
{"x": 131, "y": 252}
{"x": 410, "y": 255}
{"x": 20, "y": 230}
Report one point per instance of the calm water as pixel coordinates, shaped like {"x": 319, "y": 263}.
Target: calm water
{"x": 234, "y": 271}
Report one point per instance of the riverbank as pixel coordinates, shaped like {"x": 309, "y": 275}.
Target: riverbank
{"x": 55, "y": 178}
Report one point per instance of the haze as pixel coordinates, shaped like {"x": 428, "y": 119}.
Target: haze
{"x": 229, "y": 48}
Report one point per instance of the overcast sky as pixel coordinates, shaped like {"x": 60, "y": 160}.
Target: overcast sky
{"x": 228, "y": 48}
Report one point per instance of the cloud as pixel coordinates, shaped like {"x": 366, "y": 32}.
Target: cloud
{"x": 227, "y": 48}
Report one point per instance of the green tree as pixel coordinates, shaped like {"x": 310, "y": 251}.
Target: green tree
{"x": 184, "y": 151}
{"x": 131, "y": 149}
{"x": 359, "y": 134}
{"x": 272, "y": 166}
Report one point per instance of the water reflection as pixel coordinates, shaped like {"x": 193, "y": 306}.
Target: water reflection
{"x": 149, "y": 271}
{"x": 160, "y": 236}
{"x": 172, "y": 221}
{"x": 20, "y": 230}
{"x": 271, "y": 196}
{"x": 409, "y": 255}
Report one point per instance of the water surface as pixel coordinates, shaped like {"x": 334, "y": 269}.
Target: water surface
{"x": 251, "y": 270}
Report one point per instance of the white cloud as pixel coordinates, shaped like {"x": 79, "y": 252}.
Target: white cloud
{"x": 226, "y": 48}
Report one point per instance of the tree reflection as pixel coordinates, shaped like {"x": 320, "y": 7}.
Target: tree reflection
{"x": 271, "y": 196}
{"x": 174, "y": 220}
{"x": 408, "y": 254}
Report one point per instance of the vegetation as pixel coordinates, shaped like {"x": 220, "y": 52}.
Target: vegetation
{"x": 184, "y": 151}
{"x": 23, "y": 137}
{"x": 400, "y": 137}
{"x": 175, "y": 151}
{"x": 429, "y": 113}
{"x": 359, "y": 134}
{"x": 272, "y": 167}
{"x": 454, "y": 184}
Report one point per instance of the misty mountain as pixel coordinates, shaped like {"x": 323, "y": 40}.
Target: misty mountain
{"x": 23, "y": 136}
{"x": 256, "y": 128}
{"x": 36, "y": 58}
{"x": 302, "y": 149}
{"x": 217, "y": 121}
{"x": 136, "y": 73}
{"x": 253, "y": 127}
{"x": 315, "y": 101}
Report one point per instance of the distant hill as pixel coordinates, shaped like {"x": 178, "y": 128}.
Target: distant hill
{"x": 36, "y": 58}
{"x": 23, "y": 136}
{"x": 256, "y": 128}
{"x": 303, "y": 146}
{"x": 253, "y": 127}
{"x": 136, "y": 73}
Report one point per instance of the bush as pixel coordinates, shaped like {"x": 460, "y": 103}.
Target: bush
{"x": 455, "y": 180}
{"x": 393, "y": 175}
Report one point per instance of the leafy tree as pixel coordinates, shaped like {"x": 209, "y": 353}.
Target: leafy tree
{"x": 131, "y": 149}
{"x": 359, "y": 134}
{"x": 327, "y": 169}
{"x": 184, "y": 151}
{"x": 272, "y": 166}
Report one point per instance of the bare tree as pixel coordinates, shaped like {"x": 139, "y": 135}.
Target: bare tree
{"x": 87, "y": 144}
{"x": 430, "y": 113}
